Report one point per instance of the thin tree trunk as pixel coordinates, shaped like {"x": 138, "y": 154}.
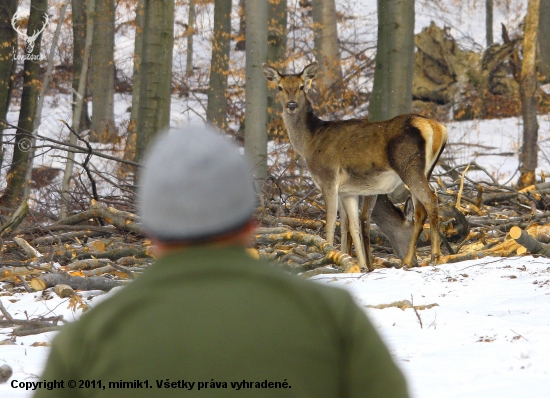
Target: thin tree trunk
{"x": 68, "y": 173}
{"x": 327, "y": 52}
{"x": 489, "y": 22}
{"x": 131, "y": 144}
{"x": 42, "y": 96}
{"x": 241, "y": 39}
{"x": 191, "y": 28}
{"x": 31, "y": 87}
{"x": 103, "y": 72}
{"x": 276, "y": 57}
{"x": 156, "y": 72}
{"x": 528, "y": 85}
{"x": 79, "y": 41}
{"x": 544, "y": 39}
{"x": 256, "y": 86}
{"x": 216, "y": 110}
{"x": 392, "y": 89}
{"x": 8, "y": 49}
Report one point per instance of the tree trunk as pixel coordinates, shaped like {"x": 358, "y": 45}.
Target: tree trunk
{"x": 191, "y": 28}
{"x": 240, "y": 39}
{"x": 528, "y": 85}
{"x": 103, "y": 72}
{"x": 8, "y": 39}
{"x": 79, "y": 41}
{"x": 256, "y": 86}
{"x": 216, "y": 110}
{"x": 130, "y": 150}
{"x": 392, "y": 89}
{"x": 489, "y": 22}
{"x": 544, "y": 42}
{"x": 276, "y": 57}
{"x": 327, "y": 53}
{"x": 78, "y": 107}
{"x": 31, "y": 88}
{"x": 156, "y": 72}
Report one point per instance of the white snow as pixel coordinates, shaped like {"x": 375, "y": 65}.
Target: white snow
{"x": 488, "y": 336}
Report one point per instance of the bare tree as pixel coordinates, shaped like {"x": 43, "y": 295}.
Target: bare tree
{"x": 392, "y": 89}
{"x": 8, "y": 45}
{"x": 327, "y": 52}
{"x": 103, "y": 72}
{"x": 216, "y": 110}
{"x": 156, "y": 72}
{"x": 528, "y": 86}
{"x": 256, "y": 86}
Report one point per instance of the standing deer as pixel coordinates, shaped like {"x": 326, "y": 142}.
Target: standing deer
{"x": 349, "y": 158}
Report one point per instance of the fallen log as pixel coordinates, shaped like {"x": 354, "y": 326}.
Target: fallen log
{"x": 120, "y": 219}
{"x": 334, "y": 256}
{"x": 531, "y": 244}
{"x": 45, "y": 281}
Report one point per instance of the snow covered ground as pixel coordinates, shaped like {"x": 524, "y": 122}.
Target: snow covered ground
{"x": 486, "y": 337}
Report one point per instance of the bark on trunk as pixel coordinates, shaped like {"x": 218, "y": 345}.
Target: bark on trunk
{"x": 325, "y": 37}
{"x": 156, "y": 72}
{"x": 79, "y": 18}
{"x": 528, "y": 85}
{"x": 29, "y": 99}
{"x": 216, "y": 110}
{"x": 256, "y": 86}
{"x": 276, "y": 57}
{"x": 131, "y": 141}
{"x": 191, "y": 28}
{"x": 8, "y": 49}
{"x": 392, "y": 90}
{"x": 544, "y": 35}
{"x": 103, "y": 72}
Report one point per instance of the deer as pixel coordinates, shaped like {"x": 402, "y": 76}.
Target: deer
{"x": 354, "y": 158}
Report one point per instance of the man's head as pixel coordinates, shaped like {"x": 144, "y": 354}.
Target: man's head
{"x": 195, "y": 187}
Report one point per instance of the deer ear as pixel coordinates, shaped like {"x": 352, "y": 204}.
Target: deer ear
{"x": 271, "y": 74}
{"x": 409, "y": 210}
{"x": 310, "y": 72}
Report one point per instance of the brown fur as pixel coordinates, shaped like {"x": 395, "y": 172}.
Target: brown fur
{"x": 354, "y": 157}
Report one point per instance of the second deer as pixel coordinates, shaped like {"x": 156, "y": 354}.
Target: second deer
{"x": 349, "y": 158}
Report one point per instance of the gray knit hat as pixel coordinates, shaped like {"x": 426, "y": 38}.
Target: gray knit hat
{"x": 195, "y": 185}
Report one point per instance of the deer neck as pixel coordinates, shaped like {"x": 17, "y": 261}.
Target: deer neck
{"x": 301, "y": 127}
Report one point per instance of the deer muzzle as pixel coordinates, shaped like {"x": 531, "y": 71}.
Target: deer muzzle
{"x": 291, "y": 105}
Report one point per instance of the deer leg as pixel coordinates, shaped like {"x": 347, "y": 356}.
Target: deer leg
{"x": 345, "y": 241}
{"x": 351, "y": 204}
{"x": 330, "y": 194}
{"x": 425, "y": 203}
{"x": 367, "y": 206}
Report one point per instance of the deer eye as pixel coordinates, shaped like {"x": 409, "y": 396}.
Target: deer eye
{"x": 302, "y": 87}
{"x": 280, "y": 88}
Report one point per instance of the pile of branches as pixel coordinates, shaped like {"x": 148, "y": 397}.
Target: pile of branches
{"x": 475, "y": 221}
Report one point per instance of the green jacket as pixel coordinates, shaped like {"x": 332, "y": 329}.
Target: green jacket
{"x": 229, "y": 324}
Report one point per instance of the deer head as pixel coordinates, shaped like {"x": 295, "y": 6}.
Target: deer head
{"x": 29, "y": 40}
{"x": 292, "y": 87}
